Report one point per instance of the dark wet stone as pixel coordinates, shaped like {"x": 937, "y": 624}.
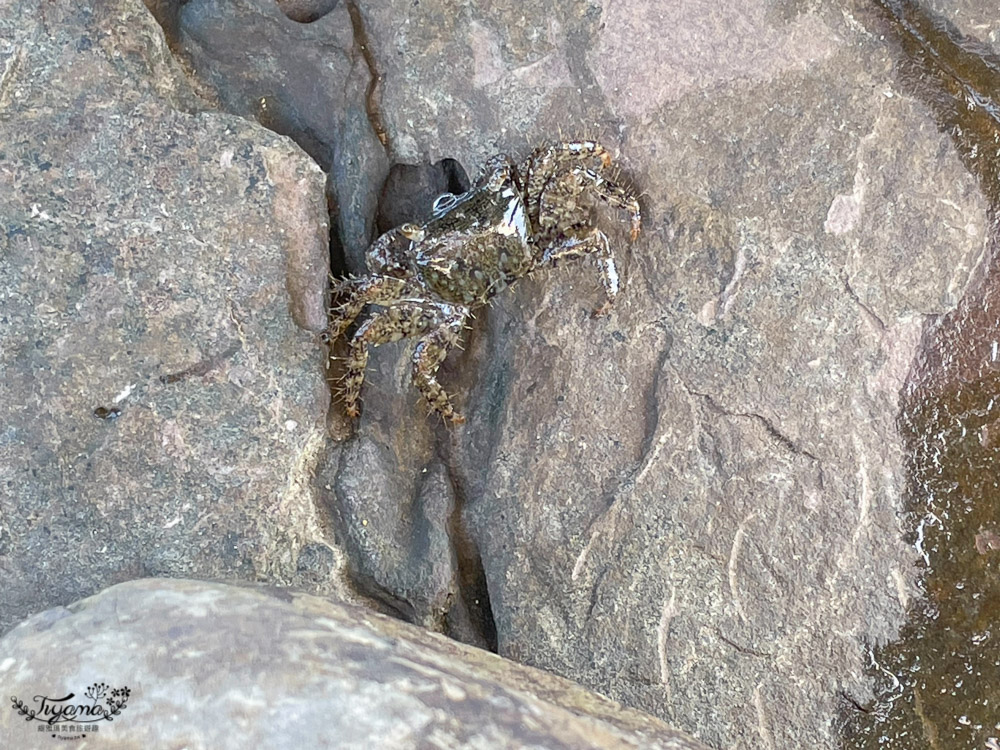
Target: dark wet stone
{"x": 214, "y": 666}
{"x": 949, "y": 415}
{"x": 306, "y": 11}
{"x": 410, "y": 190}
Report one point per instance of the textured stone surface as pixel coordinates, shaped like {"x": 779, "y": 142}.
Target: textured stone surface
{"x": 165, "y": 264}
{"x": 212, "y": 667}
{"x": 309, "y": 81}
{"x": 975, "y": 18}
{"x": 949, "y": 419}
{"x": 692, "y": 505}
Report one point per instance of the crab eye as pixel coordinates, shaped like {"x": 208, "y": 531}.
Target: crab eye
{"x": 443, "y": 203}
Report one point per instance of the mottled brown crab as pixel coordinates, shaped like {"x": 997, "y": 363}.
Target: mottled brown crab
{"x": 428, "y": 279}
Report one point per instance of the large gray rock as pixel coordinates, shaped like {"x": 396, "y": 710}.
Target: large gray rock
{"x": 166, "y": 265}
{"x": 695, "y": 504}
{"x": 212, "y": 667}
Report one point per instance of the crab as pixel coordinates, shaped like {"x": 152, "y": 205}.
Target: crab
{"x": 429, "y": 279}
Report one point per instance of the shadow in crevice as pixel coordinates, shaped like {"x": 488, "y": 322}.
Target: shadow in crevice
{"x": 306, "y": 11}
{"x": 410, "y": 189}
{"x": 431, "y": 534}
{"x": 472, "y": 581}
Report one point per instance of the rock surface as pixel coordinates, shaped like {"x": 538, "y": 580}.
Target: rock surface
{"x": 211, "y": 666}
{"x": 949, "y": 418}
{"x": 976, "y": 18}
{"x": 162, "y": 267}
{"x": 309, "y": 81}
{"x": 695, "y": 505}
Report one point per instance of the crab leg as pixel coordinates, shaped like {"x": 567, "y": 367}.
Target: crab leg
{"x": 427, "y": 358}
{"x": 612, "y": 194}
{"x": 495, "y": 172}
{"x": 544, "y": 163}
{"x": 595, "y": 242}
{"x": 392, "y": 324}
{"x": 579, "y": 180}
{"x": 377, "y": 290}
{"x": 387, "y": 254}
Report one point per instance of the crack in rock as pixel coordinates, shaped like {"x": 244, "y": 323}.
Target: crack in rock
{"x": 363, "y": 44}
{"x": 769, "y": 426}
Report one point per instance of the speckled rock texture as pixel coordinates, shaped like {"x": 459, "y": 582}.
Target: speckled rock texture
{"x": 212, "y": 667}
{"x": 307, "y": 78}
{"x": 976, "y": 18}
{"x": 694, "y": 505}
{"x": 163, "y": 267}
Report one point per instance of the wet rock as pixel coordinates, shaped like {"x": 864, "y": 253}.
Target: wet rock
{"x": 306, "y": 11}
{"x": 948, "y": 415}
{"x": 215, "y": 666}
{"x": 409, "y": 190}
{"x": 975, "y": 18}
{"x": 692, "y": 505}
{"x": 162, "y": 272}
